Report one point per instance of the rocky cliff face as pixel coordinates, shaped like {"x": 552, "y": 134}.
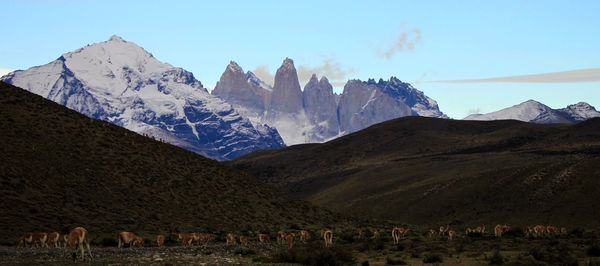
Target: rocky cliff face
{"x": 287, "y": 95}
{"x": 244, "y": 91}
{"x": 316, "y": 114}
{"x": 363, "y": 104}
{"x": 120, "y": 82}
{"x": 320, "y": 108}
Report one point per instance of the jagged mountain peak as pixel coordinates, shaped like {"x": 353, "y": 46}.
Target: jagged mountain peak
{"x": 116, "y": 38}
{"x": 313, "y": 79}
{"x": 122, "y": 83}
{"x": 287, "y": 63}
{"x": 234, "y": 67}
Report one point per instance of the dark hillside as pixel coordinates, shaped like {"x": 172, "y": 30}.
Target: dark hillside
{"x": 430, "y": 171}
{"x": 59, "y": 169}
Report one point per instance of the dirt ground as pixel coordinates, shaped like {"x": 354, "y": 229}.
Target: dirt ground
{"x": 412, "y": 250}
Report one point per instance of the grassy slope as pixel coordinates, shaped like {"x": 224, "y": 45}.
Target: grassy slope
{"x": 431, "y": 171}
{"x": 59, "y": 169}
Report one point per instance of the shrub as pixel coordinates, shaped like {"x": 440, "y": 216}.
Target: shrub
{"x": 432, "y": 258}
{"x": 109, "y": 242}
{"x": 365, "y": 263}
{"x": 314, "y": 255}
{"x": 243, "y": 251}
{"x": 394, "y": 261}
{"x": 496, "y": 258}
{"x": 378, "y": 245}
{"x": 593, "y": 250}
{"x": 560, "y": 254}
{"x": 398, "y": 247}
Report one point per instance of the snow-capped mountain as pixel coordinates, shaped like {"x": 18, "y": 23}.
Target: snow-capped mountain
{"x": 536, "y": 112}
{"x": 579, "y": 112}
{"x": 316, "y": 114}
{"x": 120, "y": 82}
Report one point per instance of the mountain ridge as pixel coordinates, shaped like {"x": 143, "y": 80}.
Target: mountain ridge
{"x": 536, "y": 112}
{"x": 61, "y": 169}
{"x": 432, "y": 171}
{"x": 120, "y": 82}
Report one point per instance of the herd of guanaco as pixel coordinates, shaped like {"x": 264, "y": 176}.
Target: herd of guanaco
{"x": 77, "y": 239}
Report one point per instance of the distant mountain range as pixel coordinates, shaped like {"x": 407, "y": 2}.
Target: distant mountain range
{"x": 536, "y": 112}
{"x": 120, "y": 82}
{"x": 316, "y": 114}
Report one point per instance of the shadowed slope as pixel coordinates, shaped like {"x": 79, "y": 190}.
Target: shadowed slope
{"x": 426, "y": 170}
{"x": 60, "y": 169}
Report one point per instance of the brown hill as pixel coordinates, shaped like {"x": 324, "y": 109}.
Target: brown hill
{"x": 432, "y": 171}
{"x": 59, "y": 169}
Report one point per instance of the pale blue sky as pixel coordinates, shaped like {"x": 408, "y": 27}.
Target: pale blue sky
{"x": 444, "y": 40}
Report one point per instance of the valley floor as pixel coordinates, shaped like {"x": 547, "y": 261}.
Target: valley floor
{"x": 412, "y": 250}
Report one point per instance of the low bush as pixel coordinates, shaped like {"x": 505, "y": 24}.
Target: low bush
{"x": 559, "y": 254}
{"x": 314, "y": 255}
{"x": 593, "y": 250}
{"x": 432, "y": 258}
{"x": 394, "y": 261}
{"x": 244, "y": 251}
{"x": 497, "y": 258}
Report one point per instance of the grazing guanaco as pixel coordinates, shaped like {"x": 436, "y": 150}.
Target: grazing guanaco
{"x": 431, "y": 233}
{"x": 500, "y": 229}
{"x": 529, "y": 231}
{"x": 396, "y": 235}
{"x": 244, "y": 240}
{"x": 125, "y": 238}
{"x": 478, "y": 229}
{"x": 160, "y": 240}
{"x": 185, "y": 239}
{"x": 65, "y": 239}
{"x": 231, "y": 239}
{"x": 53, "y": 239}
{"x": 281, "y": 237}
{"x": 451, "y": 234}
{"x": 78, "y": 239}
{"x": 469, "y": 231}
{"x": 376, "y": 234}
{"x": 264, "y": 238}
{"x": 359, "y": 233}
{"x": 289, "y": 239}
{"x": 539, "y": 230}
{"x": 304, "y": 236}
{"x": 138, "y": 241}
{"x": 443, "y": 230}
{"x": 40, "y": 239}
{"x": 25, "y": 240}
{"x": 563, "y": 231}
{"x": 551, "y": 230}
{"x": 327, "y": 235}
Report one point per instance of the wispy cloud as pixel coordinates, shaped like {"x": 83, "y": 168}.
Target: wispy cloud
{"x": 329, "y": 67}
{"x": 406, "y": 41}
{"x": 4, "y": 71}
{"x": 264, "y": 74}
{"x": 572, "y": 76}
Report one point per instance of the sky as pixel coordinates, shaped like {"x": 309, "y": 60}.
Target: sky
{"x": 470, "y": 56}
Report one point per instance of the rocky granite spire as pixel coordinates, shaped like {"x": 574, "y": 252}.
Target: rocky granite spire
{"x": 287, "y": 95}
{"x": 235, "y": 88}
{"x": 321, "y": 108}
